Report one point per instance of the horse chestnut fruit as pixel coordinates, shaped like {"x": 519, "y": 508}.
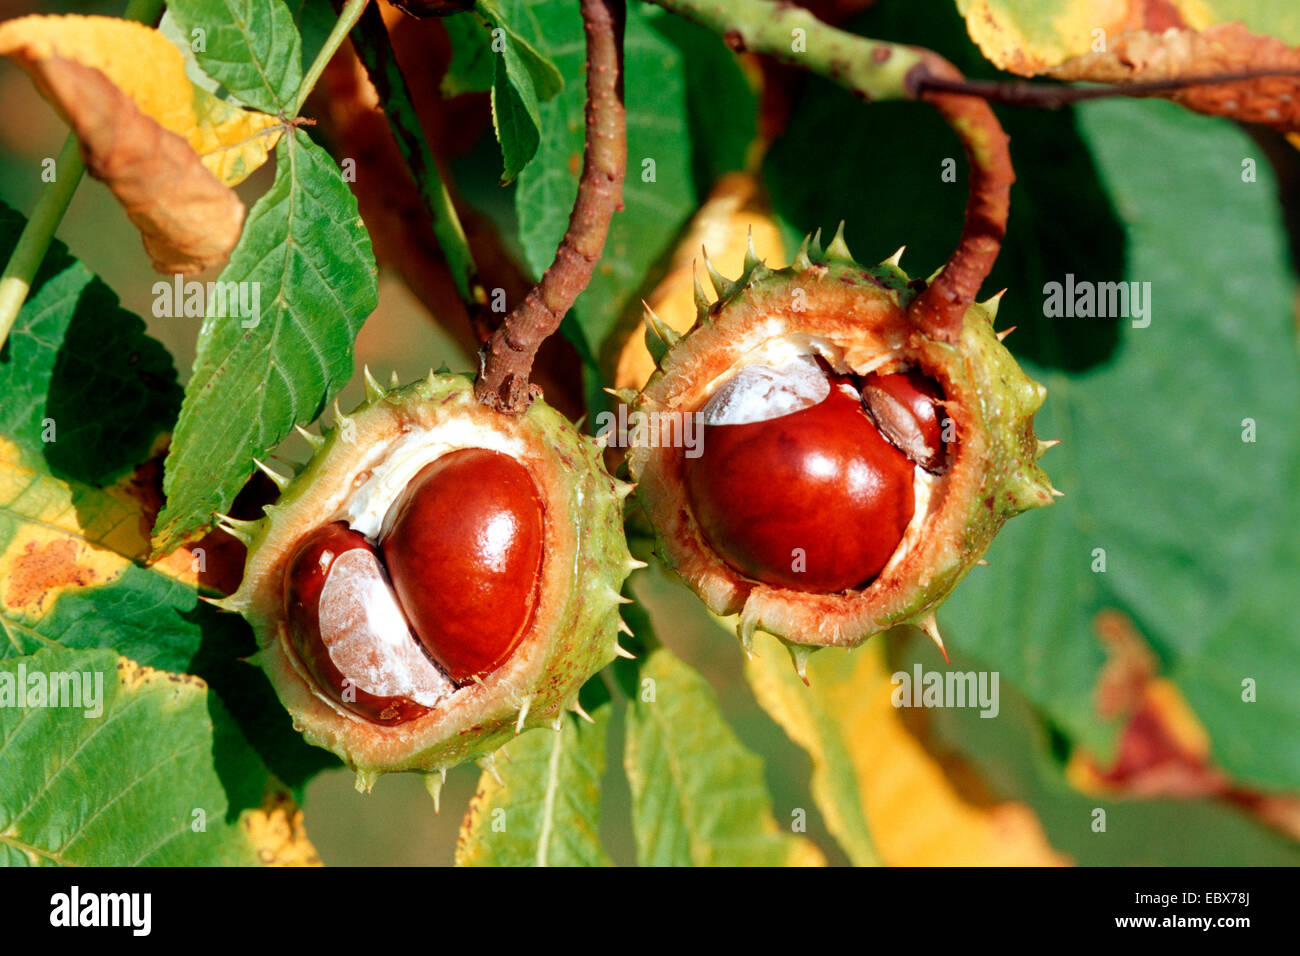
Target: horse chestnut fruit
{"x": 464, "y": 551}
{"x": 436, "y": 579}
{"x": 889, "y": 489}
{"x": 351, "y": 635}
{"x": 814, "y": 500}
{"x": 906, "y": 407}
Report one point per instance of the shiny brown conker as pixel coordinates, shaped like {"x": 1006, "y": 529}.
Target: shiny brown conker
{"x": 344, "y": 624}
{"x": 464, "y": 550}
{"x": 816, "y": 500}
{"x": 908, "y": 409}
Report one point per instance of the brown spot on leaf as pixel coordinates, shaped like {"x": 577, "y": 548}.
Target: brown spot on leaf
{"x": 188, "y": 218}
{"x": 42, "y": 568}
{"x": 1130, "y": 665}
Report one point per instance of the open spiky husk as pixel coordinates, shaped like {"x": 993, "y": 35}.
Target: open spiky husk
{"x": 857, "y": 316}
{"x": 575, "y": 627}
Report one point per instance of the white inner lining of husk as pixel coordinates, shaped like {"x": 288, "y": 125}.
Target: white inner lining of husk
{"x": 369, "y": 640}
{"x": 368, "y": 508}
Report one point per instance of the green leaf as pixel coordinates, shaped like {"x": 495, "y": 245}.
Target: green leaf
{"x": 251, "y": 47}
{"x": 659, "y": 195}
{"x": 514, "y": 114}
{"x": 545, "y": 809}
{"x": 132, "y": 767}
{"x": 722, "y": 103}
{"x": 306, "y": 252}
{"x": 521, "y": 79}
{"x": 542, "y": 74}
{"x": 314, "y": 20}
{"x": 68, "y": 560}
{"x": 1224, "y": 525}
{"x": 82, "y": 387}
{"x": 698, "y": 796}
{"x": 472, "y": 60}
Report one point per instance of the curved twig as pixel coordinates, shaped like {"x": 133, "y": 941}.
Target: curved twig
{"x": 1051, "y": 96}
{"x": 506, "y": 359}
{"x": 880, "y": 70}
{"x": 940, "y": 309}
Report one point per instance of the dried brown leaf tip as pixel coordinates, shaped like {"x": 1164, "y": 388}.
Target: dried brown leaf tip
{"x": 168, "y": 150}
{"x": 188, "y": 219}
{"x": 1223, "y": 49}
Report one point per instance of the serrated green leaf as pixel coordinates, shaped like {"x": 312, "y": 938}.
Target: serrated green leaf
{"x": 544, "y": 76}
{"x": 514, "y": 114}
{"x": 520, "y": 78}
{"x": 698, "y": 796}
{"x": 545, "y": 810}
{"x": 306, "y": 251}
{"x": 122, "y": 771}
{"x": 251, "y": 47}
{"x": 82, "y": 387}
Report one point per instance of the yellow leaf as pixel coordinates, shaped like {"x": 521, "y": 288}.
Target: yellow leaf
{"x": 874, "y": 780}
{"x": 140, "y": 62}
{"x": 59, "y": 541}
{"x": 58, "y": 536}
{"x": 1134, "y": 41}
{"x": 1031, "y": 36}
{"x": 276, "y": 831}
{"x": 722, "y": 228}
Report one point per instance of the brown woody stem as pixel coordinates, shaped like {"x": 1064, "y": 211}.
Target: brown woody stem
{"x": 1046, "y": 96}
{"x": 506, "y": 359}
{"x": 940, "y": 309}
{"x": 878, "y": 70}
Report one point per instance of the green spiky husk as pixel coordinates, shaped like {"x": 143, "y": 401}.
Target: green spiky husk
{"x": 858, "y": 315}
{"x": 575, "y": 626}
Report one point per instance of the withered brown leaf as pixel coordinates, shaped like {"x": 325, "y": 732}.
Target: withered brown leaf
{"x": 189, "y": 220}
{"x": 1225, "y": 48}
